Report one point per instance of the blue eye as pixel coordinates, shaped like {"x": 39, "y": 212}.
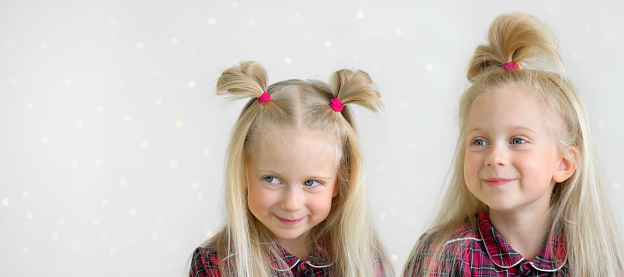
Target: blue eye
{"x": 311, "y": 183}
{"x": 517, "y": 141}
{"x": 479, "y": 142}
{"x": 272, "y": 180}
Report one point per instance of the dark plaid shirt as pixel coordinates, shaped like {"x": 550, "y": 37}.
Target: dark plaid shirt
{"x": 483, "y": 252}
{"x": 206, "y": 264}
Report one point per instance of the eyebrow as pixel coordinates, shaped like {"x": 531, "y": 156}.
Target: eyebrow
{"x": 308, "y": 177}
{"x": 513, "y": 128}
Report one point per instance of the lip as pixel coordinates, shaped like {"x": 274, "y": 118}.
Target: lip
{"x": 289, "y": 222}
{"x": 497, "y": 181}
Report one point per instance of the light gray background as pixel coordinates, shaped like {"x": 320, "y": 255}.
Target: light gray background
{"x": 112, "y": 141}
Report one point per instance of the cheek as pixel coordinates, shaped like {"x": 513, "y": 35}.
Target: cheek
{"x": 321, "y": 204}
{"x": 258, "y": 199}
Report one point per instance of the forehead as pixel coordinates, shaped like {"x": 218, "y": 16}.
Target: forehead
{"x": 511, "y": 104}
{"x": 307, "y": 142}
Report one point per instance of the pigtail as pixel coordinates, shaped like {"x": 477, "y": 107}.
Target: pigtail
{"x": 521, "y": 39}
{"x": 249, "y": 79}
{"x": 355, "y": 87}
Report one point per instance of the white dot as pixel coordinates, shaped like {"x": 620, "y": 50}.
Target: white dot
{"x": 208, "y": 234}
{"x": 360, "y": 15}
{"x": 288, "y": 60}
{"x": 98, "y": 162}
{"x": 192, "y": 50}
{"x": 120, "y": 82}
{"x": 603, "y": 82}
{"x": 212, "y": 21}
{"x": 328, "y": 44}
{"x": 159, "y": 101}
{"x": 551, "y": 9}
{"x": 251, "y": 23}
{"x": 469, "y": 36}
{"x": 191, "y": 84}
{"x": 100, "y": 108}
{"x": 616, "y": 185}
{"x": 609, "y": 37}
{"x": 411, "y": 222}
{"x": 5, "y": 202}
{"x": 112, "y": 21}
{"x": 75, "y": 247}
{"x": 30, "y": 215}
{"x": 113, "y": 250}
{"x": 143, "y": 144}
{"x": 382, "y": 215}
{"x": 104, "y": 201}
{"x": 156, "y": 72}
{"x": 173, "y": 164}
{"x": 234, "y": 4}
{"x": 200, "y": 196}
{"x": 356, "y": 58}
{"x": 575, "y": 56}
{"x": 174, "y": 40}
{"x": 45, "y": 140}
{"x": 132, "y": 212}
{"x": 96, "y": 222}
{"x": 140, "y": 46}
{"x": 134, "y": 240}
{"x": 44, "y": 45}
{"x": 104, "y": 237}
{"x": 402, "y": 104}
{"x": 25, "y": 194}
{"x": 178, "y": 123}
{"x": 195, "y": 185}
{"x": 154, "y": 236}
{"x": 79, "y": 123}
{"x": 67, "y": 82}
{"x": 398, "y": 33}
{"x": 10, "y": 44}
{"x": 600, "y": 123}
{"x": 394, "y": 257}
{"x": 206, "y": 151}
{"x": 127, "y": 118}
{"x": 123, "y": 182}
{"x": 382, "y": 167}
{"x": 296, "y": 15}
{"x": 74, "y": 164}
{"x": 10, "y": 145}
{"x": 56, "y": 236}
{"x": 588, "y": 29}
{"x": 60, "y": 222}
{"x": 25, "y": 250}
{"x": 429, "y": 67}
{"x": 13, "y": 80}
{"x": 174, "y": 247}
{"x": 160, "y": 222}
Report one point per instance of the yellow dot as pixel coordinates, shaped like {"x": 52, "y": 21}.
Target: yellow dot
{"x": 394, "y": 257}
{"x": 251, "y": 23}
{"x": 96, "y": 222}
{"x": 618, "y": 103}
{"x": 200, "y": 196}
{"x": 104, "y": 237}
{"x": 195, "y": 185}
{"x": 382, "y": 215}
{"x": 75, "y": 247}
{"x": 74, "y": 164}
{"x": 603, "y": 82}
{"x": 234, "y": 4}
{"x": 30, "y": 215}
{"x": 29, "y": 106}
{"x": 402, "y": 104}
{"x": 173, "y": 164}
{"x": 206, "y": 151}
{"x": 398, "y": 33}
{"x": 212, "y": 21}
{"x": 45, "y": 140}
{"x": 120, "y": 82}
{"x": 397, "y": 197}
{"x": 174, "y": 247}
{"x": 575, "y": 56}
{"x": 104, "y": 201}
{"x": 123, "y": 182}
{"x": 112, "y": 21}
{"x": 288, "y": 60}
{"x": 160, "y": 222}
{"x": 79, "y": 123}
{"x": 411, "y": 146}
{"x": 429, "y": 67}
{"x": 588, "y": 1}
{"x": 191, "y": 84}
{"x": 25, "y": 250}
{"x": 174, "y": 40}
{"x": 296, "y": 15}
{"x": 360, "y": 15}
{"x": 208, "y": 234}
{"x": 609, "y": 37}
{"x": 113, "y": 250}
{"x": 588, "y": 29}
{"x": 156, "y": 73}
{"x": 154, "y": 236}
{"x": 140, "y": 46}
{"x": 25, "y": 194}
{"x": 600, "y": 123}
{"x": 178, "y": 123}
{"x": 98, "y": 162}
{"x": 55, "y": 236}
{"x": 411, "y": 222}
{"x": 100, "y": 109}
{"x": 10, "y": 145}
{"x": 127, "y": 118}
{"x": 67, "y": 82}
{"x": 44, "y": 45}
{"x": 134, "y": 240}
{"x": 158, "y": 101}
{"x": 616, "y": 185}
{"x": 143, "y": 144}
{"x": 328, "y": 44}
{"x": 60, "y": 222}
{"x": 132, "y": 212}
{"x": 356, "y": 58}
{"x": 469, "y": 36}
{"x": 5, "y": 202}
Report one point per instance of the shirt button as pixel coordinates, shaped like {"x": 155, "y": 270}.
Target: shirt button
{"x": 303, "y": 266}
{"x": 526, "y": 266}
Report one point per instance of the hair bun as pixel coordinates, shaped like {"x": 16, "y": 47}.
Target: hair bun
{"x": 249, "y": 79}
{"x": 355, "y": 87}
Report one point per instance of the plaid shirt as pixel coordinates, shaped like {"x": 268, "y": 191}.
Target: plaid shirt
{"x": 206, "y": 264}
{"x": 483, "y": 252}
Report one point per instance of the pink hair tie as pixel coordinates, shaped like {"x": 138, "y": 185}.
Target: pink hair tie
{"x": 264, "y": 97}
{"x": 336, "y": 104}
{"x": 511, "y": 66}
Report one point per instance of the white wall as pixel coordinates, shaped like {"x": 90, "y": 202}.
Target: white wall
{"x": 112, "y": 140}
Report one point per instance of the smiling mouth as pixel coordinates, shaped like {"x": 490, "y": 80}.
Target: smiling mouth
{"x": 289, "y": 222}
{"x": 497, "y": 181}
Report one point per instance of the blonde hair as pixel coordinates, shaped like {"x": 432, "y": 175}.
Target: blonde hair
{"x": 579, "y": 204}
{"x": 347, "y": 231}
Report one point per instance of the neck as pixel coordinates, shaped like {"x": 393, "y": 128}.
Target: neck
{"x": 524, "y": 231}
{"x": 299, "y": 247}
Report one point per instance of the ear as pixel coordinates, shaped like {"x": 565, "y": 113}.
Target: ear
{"x": 336, "y": 188}
{"x": 567, "y": 164}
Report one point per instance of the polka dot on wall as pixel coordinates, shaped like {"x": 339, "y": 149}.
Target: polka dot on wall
{"x": 5, "y": 202}
{"x": 212, "y": 21}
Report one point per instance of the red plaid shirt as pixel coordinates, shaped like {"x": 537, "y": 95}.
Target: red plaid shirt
{"x": 483, "y": 252}
{"x": 206, "y": 264}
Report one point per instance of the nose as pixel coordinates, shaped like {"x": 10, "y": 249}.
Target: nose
{"x": 497, "y": 155}
{"x": 293, "y": 199}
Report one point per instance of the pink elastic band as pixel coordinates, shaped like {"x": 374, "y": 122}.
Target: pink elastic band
{"x": 336, "y": 104}
{"x": 264, "y": 97}
{"x": 511, "y": 66}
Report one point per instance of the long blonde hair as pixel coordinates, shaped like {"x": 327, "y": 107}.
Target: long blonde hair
{"x": 578, "y": 205}
{"x": 348, "y": 231}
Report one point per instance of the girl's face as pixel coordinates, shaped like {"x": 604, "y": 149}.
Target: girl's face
{"x": 291, "y": 183}
{"x": 511, "y": 162}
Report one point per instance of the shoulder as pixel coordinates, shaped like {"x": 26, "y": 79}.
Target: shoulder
{"x": 205, "y": 262}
